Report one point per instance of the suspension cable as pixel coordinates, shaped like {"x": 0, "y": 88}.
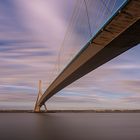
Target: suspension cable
{"x": 90, "y": 31}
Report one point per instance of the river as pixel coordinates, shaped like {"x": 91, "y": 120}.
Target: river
{"x": 69, "y": 126}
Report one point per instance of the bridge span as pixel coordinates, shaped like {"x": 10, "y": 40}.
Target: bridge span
{"x": 120, "y": 33}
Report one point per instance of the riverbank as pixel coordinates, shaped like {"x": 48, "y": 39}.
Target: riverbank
{"x": 72, "y": 111}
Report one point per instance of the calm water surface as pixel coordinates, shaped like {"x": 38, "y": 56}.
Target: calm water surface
{"x": 70, "y": 126}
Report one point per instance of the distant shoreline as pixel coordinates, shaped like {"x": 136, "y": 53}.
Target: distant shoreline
{"x": 72, "y": 111}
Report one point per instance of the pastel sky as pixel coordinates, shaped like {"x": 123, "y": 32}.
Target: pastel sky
{"x": 38, "y": 38}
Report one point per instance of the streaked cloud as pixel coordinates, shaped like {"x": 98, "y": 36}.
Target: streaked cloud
{"x": 31, "y": 48}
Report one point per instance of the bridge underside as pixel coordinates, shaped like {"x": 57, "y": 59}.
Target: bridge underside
{"x": 121, "y": 33}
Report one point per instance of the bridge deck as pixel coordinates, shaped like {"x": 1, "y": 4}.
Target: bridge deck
{"x": 119, "y": 34}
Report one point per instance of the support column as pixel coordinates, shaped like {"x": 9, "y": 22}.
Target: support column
{"x": 37, "y": 107}
{"x": 45, "y": 108}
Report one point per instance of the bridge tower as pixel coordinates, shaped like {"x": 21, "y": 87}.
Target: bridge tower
{"x": 37, "y": 107}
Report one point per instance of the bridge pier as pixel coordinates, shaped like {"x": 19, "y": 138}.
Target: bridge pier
{"x": 45, "y": 108}
{"x": 37, "y": 108}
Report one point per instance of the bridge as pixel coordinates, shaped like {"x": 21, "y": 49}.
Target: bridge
{"x": 120, "y": 33}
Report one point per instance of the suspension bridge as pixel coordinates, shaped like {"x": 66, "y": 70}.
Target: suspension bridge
{"x": 118, "y": 34}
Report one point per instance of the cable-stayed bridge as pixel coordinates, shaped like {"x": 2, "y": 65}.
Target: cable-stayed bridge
{"x": 119, "y": 33}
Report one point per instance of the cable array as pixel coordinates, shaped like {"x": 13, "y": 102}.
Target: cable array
{"x": 86, "y": 19}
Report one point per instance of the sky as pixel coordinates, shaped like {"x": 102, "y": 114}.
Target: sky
{"x": 38, "y": 38}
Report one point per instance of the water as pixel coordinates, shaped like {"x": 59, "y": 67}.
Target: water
{"x": 70, "y": 126}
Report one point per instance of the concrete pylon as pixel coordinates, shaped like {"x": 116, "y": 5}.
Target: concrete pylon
{"x": 37, "y": 107}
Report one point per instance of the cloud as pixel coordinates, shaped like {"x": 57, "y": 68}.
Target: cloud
{"x": 31, "y": 36}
